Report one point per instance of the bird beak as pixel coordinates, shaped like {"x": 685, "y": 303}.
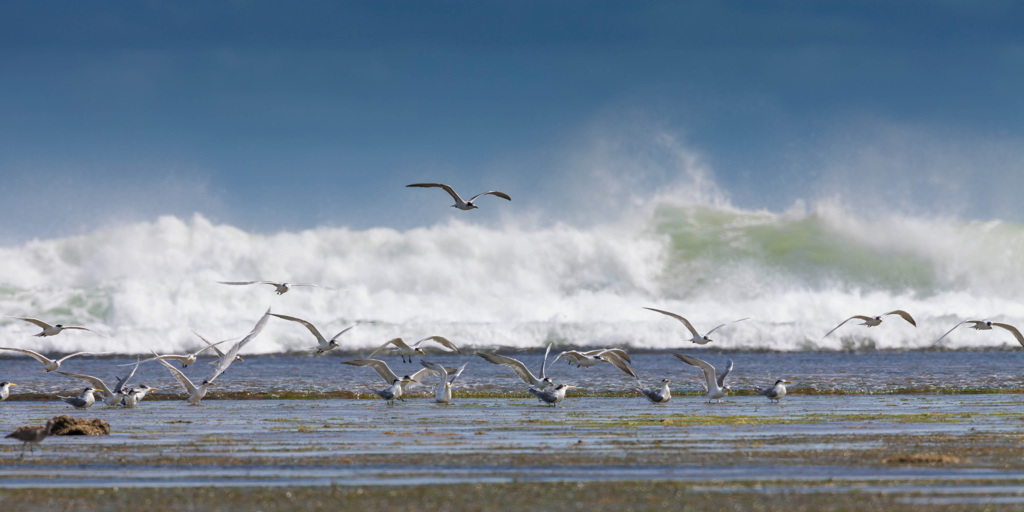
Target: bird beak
{"x": 788, "y": 381}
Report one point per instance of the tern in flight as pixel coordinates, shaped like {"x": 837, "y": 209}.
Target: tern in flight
{"x": 872, "y": 321}
{"x": 443, "y": 394}
{"x": 280, "y": 288}
{"x": 985, "y": 325}
{"x": 459, "y": 203}
{"x": 396, "y": 384}
{"x": 776, "y": 392}
{"x": 49, "y": 365}
{"x": 521, "y": 370}
{"x": 187, "y": 359}
{"x": 324, "y": 344}
{"x": 220, "y": 353}
{"x": 595, "y": 357}
{"x": 656, "y": 395}
{"x": 697, "y": 337}
{"x": 714, "y": 386}
{"x": 50, "y": 330}
{"x": 196, "y": 393}
{"x": 82, "y": 401}
{"x": 407, "y": 351}
{"x": 589, "y": 358}
{"x": 552, "y": 396}
{"x": 5, "y": 390}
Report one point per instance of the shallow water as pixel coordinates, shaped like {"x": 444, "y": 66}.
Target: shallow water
{"x": 832, "y": 372}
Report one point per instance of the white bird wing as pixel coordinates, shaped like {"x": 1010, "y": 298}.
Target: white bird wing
{"x": 446, "y": 188}
{"x": 860, "y": 317}
{"x": 397, "y": 342}
{"x": 36, "y": 321}
{"x": 681, "y": 319}
{"x": 612, "y": 358}
{"x": 457, "y": 373}
{"x": 573, "y": 355}
{"x": 493, "y": 193}
{"x": 722, "y": 376}
{"x": 617, "y": 351}
{"x": 343, "y": 331}
{"x": 1016, "y": 333}
{"x": 380, "y": 366}
{"x": 906, "y": 316}
{"x": 725, "y": 324}
{"x": 229, "y": 357}
{"x": 308, "y": 325}
{"x": 544, "y": 364}
{"x": 242, "y": 282}
{"x": 709, "y": 371}
{"x": 441, "y": 340}
{"x": 96, "y": 383}
{"x": 416, "y": 377}
{"x": 36, "y": 355}
{"x": 220, "y": 353}
{"x": 121, "y": 383}
{"x": 181, "y": 378}
{"x": 516, "y": 365}
{"x": 954, "y": 328}
{"x": 437, "y": 368}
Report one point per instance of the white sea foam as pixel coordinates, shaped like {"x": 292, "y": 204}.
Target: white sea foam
{"x": 796, "y": 274}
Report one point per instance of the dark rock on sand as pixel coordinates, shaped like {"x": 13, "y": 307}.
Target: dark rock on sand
{"x": 68, "y": 426}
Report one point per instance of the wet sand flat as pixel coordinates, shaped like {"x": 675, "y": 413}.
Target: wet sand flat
{"x": 917, "y": 450}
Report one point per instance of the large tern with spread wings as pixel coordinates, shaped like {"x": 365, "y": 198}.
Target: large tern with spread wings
{"x": 872, "y": 321}
{"x": 459, "y": 203}
{"x": 986, "y": 325}
{"x": 521, "y": 370}
{"x": 697, "y": 337}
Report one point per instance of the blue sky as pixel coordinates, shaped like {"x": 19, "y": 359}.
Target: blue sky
{"x": 289, "y": 115}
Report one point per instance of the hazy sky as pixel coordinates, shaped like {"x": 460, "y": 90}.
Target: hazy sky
{"x": 287, "y": 115}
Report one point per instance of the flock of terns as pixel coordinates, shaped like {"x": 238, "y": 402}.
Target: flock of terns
{"x": 123, "y": 394}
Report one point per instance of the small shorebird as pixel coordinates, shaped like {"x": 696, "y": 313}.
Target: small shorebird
{"x": 83, "y": 401}
{"x": 31, "y": 435}
{"x": 656, "y": 395}
{"x": 596, "y": 357}
{"x": 5, "y": 390}
{"x": 407, "y": 351}
{"x": 775, "y": 392}
{"x": 459, "y": 203}
{"x": 50, "y": 330}
{"x": 443, "y": 394}
{"x": 49, "y": 365}
{"x": 324, "y": 344}
{"x": 872, "y": 321}
{"x": 985, "y": 325}
{"x": 552, "y": 396}
{"x": 280, "y": 288}
{"x": 715, "y": 387}
{"x": 521, "y": 370}
{"x": 697, "y": 337}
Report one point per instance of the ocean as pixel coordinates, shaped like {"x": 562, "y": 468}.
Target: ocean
{"x": 796, "y": 274}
